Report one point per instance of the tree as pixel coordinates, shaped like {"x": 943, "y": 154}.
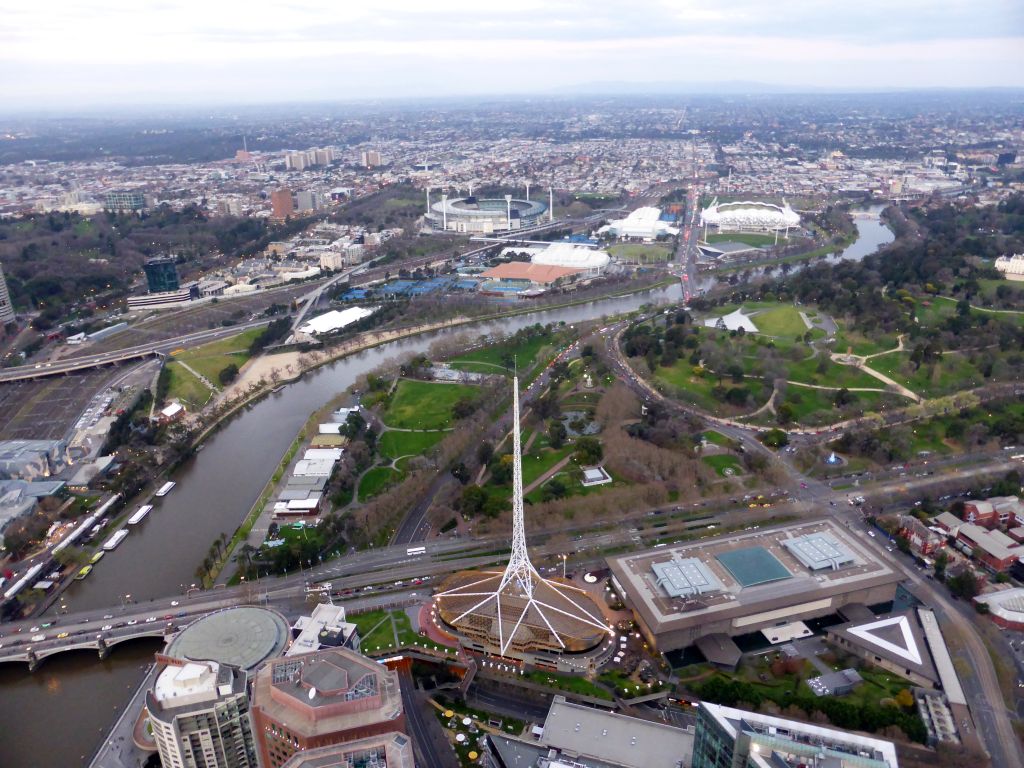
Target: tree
{"x": 964, "y": 585}
{"x": 227, "y": 374}
{"x": 472, "y": 500}
{"x": 588, "y": 450}
{"x": 785, "y": 413}
{"x": 484, "y": 452}
{"x": 464, "y": 407}
{"x": 461, "y": 473}
{"x": 774, "y": 438}
{"x": 554, "y": 489}
{"x": 556, "y": 434}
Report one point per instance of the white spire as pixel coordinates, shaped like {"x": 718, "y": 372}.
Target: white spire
{"x": 519, "y": 570}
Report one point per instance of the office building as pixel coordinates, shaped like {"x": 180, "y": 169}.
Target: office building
{"x": 733, "y": 738}
{"x": 162, "y": 275}
{"x": 6, "y": 308}
{"x": 199, "y": 711}
{"x": 324, "y": 698}
{"x": 326, "y": 627}
{"x": 369, "y": 158}
{"x": 124, "y": 200}
{"x": 281, "y": 203}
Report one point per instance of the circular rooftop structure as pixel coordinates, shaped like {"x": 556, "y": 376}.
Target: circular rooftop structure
{"x": 244, "y": 637}
{"x": 473, "y": 214}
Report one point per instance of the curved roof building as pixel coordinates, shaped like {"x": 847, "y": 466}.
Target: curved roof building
{"x": 517, "y": 611}
{"x": 749, "y": 216}
{"x": 243, "y": 637}
{"x": 473, "y": 215}
{"x": 590, "y": 261}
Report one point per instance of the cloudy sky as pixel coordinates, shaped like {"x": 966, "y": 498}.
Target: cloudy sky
{"x": 72, "y": 53}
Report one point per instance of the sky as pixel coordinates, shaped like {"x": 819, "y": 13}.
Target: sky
{"x": 67, "y": 54}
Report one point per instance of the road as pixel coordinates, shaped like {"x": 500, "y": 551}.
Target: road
{"x": 59, "y": 367}
{"x": 429, "y": 743}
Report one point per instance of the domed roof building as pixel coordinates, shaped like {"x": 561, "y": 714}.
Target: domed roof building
{"x": 749, "y": 216}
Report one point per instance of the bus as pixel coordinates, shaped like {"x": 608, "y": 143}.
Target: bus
{"x": 416, "y": 551}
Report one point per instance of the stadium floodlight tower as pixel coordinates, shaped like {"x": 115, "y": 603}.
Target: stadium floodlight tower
{"x": 508, "y": 204}
{"x": 522, "y": 597}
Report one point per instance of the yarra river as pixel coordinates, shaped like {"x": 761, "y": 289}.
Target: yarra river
{"x": 57, "y": 715}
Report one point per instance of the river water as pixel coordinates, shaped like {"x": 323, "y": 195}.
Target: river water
{"x": 75, "y": 695}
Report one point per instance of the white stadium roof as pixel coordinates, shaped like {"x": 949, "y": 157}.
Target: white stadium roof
{"x": 749, "y": 214}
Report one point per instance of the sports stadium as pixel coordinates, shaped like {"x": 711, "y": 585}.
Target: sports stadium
{"x": 749, "y": 216}
{"x": 473, "y": 215}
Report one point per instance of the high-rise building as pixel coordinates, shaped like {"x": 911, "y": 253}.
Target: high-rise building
{"x": 328, "y": 697}
{"x": 124, "y": 200}
{"x": 306, "y": 200}
{"x": 370, "y": 158}
{"x": 6, "y": 308}
{"x": 323, "y": 156}
{"x": 199, "y": 712}
{"x": 162, "y": 275}
{"x": 734, "y": 738}
{"x": 281, "y": 203}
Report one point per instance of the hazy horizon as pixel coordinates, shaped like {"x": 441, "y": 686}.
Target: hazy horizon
{"x": 181, "y": 52}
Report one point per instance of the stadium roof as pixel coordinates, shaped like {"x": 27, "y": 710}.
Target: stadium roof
{"x": 565, "y": 255}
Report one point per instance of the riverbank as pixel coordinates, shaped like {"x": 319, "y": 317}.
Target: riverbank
{"x": 265, "y": 374}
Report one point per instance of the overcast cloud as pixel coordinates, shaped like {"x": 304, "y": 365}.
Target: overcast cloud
{"x": 72, "y": 53}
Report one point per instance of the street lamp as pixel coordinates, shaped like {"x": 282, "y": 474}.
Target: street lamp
{"x": 564, "y": 557}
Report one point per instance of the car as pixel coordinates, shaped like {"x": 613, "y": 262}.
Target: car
{"x": 132, "y": 622}
{"x": 871, "y": 534}
{"x": 37, "y": 638}
{"x": 174, "y": 603}
{"x": 107, "y": 627}
{"x": 151, "y": 619}
{"x": 34, "y": 629}
{"x": 109, "y": 616}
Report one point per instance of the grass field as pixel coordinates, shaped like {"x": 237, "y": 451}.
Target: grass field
{"x": 862, "y": 345}
{"x": 424, "y": 405}
{"x": 951, "y": 374}
{"x": 697, "y": 389}
{"x": 780, "y": 321}
{"x": 210, "y": 359}
{"x": 186, "y": 388}
{"x": 375, "y": 481}
{"x": 395, "y": 444}
{"x": 492, "y": 359}
{"x": 749, "y": 238}
{"x": 834, "y": 375}
{"x": 641, "y": 253}
{"x": 716, "y": 438}
{"x": 722, "y": 461}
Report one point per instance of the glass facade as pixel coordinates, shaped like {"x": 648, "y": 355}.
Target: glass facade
{"x": 162, "y": 275}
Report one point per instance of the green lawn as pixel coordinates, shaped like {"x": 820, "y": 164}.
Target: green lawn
{"x": 696, "y": 389}
{"x": 749, "y": 238}
{"x": 951, "y": 374}
{"x": 375, "y": 481}
{"x": 395, "y": 444}
{"x": 782, "y": 320}
{"x": 492, "y": 359}
{"x": 720, "y": 462}
{"x": 717, "y": 438}
{"x": 833, "y": 375}
{"x": 186, "y": 388}
{"x": 210, "y": 359}
{"x": 568, "y": 683}
{"x": 424, "y": 404}
{"x": 847, "y": 340}
{"x": 641, "y": 253}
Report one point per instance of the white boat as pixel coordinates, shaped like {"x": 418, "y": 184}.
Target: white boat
{"x": 165, "y": 488}
{"x": 139, "y": 516}
{"x": 114, "y": 540}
